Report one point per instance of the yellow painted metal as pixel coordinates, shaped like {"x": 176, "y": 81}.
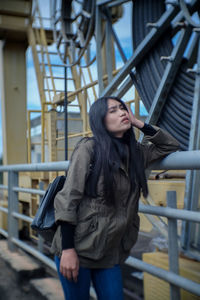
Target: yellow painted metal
{"x": 156, "y": 289}
{"x": 15, "y": 7}
{"x": 43, "y": 133}
{"x": 29, "y": 136}
{"x": 84, "y": 111}
{"x": 29, "y": 143}
{"x": 75, "y": 135}
{"x": 51, "y": 138}
{"x": 87, "y": 86}
{"x": 44, "y": 44}
{"x": 158, "y": 189}
{"x": 13, "y": 95}
{"x": 13, "y": 23}
{"x": 91, "y": 80}
{"x": 39, "y": 77}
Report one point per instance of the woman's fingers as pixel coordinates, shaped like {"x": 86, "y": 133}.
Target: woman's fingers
{"x": 70, "y": 273}
{"x": 69, "y": 264}
{"x": 74, "y": 275}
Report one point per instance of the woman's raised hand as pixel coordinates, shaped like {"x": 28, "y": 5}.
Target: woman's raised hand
{"x": 69, "y": 264}
{"x": 134, "y": 121}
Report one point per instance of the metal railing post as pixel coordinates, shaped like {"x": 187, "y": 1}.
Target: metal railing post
{"x": 40, "y": 239}
{"x": 12, "y": 207}
{"x": 173, "y": 251}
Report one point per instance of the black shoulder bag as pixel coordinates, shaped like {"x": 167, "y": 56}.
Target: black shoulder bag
{"x": 44, "y": 220}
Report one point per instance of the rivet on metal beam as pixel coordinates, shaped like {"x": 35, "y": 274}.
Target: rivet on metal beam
{"x": 181, "y": 24}
{"x": 197, "y": 71}
{"x": 168, "y": 58}
{"x": 196, "y": 29}
{"x": 153, "y": 25}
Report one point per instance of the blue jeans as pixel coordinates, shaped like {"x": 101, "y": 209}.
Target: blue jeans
{"x": 107, "y": 283}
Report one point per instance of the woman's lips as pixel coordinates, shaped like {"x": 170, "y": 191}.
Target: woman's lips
{"x": 125, "y": 120}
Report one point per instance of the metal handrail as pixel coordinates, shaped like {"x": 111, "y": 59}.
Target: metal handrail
{"x": 168, "y": 276}
{"x": 183, "y": 160}
{"x": 29, "y": 191}
{"x": 172, "y": 213}
{"x": 178, "y": 160}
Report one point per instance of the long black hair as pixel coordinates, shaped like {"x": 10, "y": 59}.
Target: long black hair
{"x": 110, "y": 151}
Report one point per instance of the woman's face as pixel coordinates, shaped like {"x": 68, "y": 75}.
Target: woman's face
{"x": 117, "y": 118}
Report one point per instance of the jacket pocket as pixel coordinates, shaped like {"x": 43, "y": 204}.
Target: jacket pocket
{"x": 131, "y": 235}
{"x": 84, "y": 228}
{"x": 90, "y": 238}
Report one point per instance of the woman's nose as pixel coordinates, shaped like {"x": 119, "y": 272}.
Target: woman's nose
{"x": 122, "y": 112}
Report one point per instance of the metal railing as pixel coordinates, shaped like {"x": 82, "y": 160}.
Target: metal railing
{"x": 178, "y": 160}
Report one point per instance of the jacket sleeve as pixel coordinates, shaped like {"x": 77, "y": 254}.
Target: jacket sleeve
{"x": 68, "y": 199}
{"x": 157, "y": 146}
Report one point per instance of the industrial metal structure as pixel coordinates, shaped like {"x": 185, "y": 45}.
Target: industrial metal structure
{"x": 76, "y": 60}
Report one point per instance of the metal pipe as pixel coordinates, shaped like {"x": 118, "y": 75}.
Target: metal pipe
{"x": 180, "y": 160}
{"x": 51, "y": 166}
{"x": 3, "y": 209}
{"x": 35, "y": 253}
{"x": 30, "y": 191}
{"x": 40, "y": 238}
{"x": 22, "y": 217}
{"x": 13, "y": 206}
{"x": 168, "y": 276}
{"x": 180, "y": 214}
{"x": 183, "y": 160}
{"x": 4, "y": 233}
{"x": 3, "y": 187}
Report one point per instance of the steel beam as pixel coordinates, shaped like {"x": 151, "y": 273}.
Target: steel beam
{"x": 128, "y": 83}
{"x": 192, "y": 188}
{"x": 110, "y": 2}
{"x": 169, "y": 75}
{"x": 109, "y": 49}
{"x": 117, "y": 2}
{"x": 124, "y": 88}
{"x": 142, "y": 49}
{"x": 98, "y": 32}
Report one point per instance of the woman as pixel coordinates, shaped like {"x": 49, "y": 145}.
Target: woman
{"x": 97, "y": 209}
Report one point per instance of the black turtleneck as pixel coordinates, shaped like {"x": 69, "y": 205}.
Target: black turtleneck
{"x": 148, "y": 129}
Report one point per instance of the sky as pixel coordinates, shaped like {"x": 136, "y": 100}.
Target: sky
{"x": 123, "y": 30}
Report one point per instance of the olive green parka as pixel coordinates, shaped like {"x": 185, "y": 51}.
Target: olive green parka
{"x": 104, "y": 234}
